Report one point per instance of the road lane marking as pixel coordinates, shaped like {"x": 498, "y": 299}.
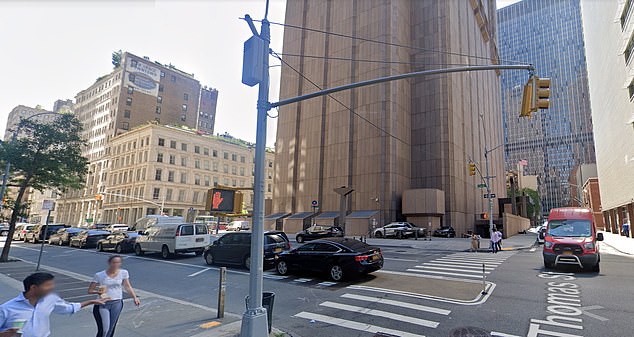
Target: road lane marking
{"x": 456, "y": 264}
{"x": 444, "y": 273}
{"x": 436, "y": 277}
{"x": 33, "y": 249}
{"x": 302, "y": 280}
{"x": 382, "y": 300}
{"x": 354, "y": 325}
{"x": 326, "y": 284}
{"x": 397, "y": 259}
{"x": 198, "y": 272}
{"x": 501, "y": 334}
{"x": 381, "y": 313}
{"x": 490, "y": 286}
{"x": 452, "y": 269}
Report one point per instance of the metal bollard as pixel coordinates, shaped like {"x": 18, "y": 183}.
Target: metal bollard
{"x": 484, "y": 286}
{"x": 222, "y": 287}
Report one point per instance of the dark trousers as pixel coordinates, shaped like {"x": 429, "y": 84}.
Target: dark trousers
{"x": 106, "y": 316}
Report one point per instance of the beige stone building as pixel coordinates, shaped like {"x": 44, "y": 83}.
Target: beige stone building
{"x": 138, "y": 90}
{"x": 155, "y": 166}
{"x": 385, "y": 139}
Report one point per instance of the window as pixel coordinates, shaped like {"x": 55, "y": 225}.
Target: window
{"x": 184, "y": 146}
{"x": 172, "y": 159}
{"x": 159, "y": 99}
{"x": 268, "y": 188}
{"x": 215, "y": 181}
{"x": 225, "y": 168}
{"x": 626, "y": 13}
{"x": 234, "y": 170}
{"x": 133, "y": 63}
{"x": 201, "y": 229}
{"x": 207, "y": 182}
{"x": 196, "y": 179}
{"x": 183, "y": 161}
{"x": 186, "y": 97}
{"x": 170, "y": 176}
{"x": 173, "y": 144}
{"x": 206, "y": 151}
{"x": 128, "y": 101}
{"x": 234, "y": 157}
{"x": 162, "y": 74}
{"x": 173, "y": 79}
{"x": 206, "y": 165}
{"x": 156, "y": 193}
{"x": 242, "y": 171}
{"x": 226, "y": 155}
{"x": 270, "y": 163}
{"x": 125, "y": 126}
{"x": 187, "y": 230}
{"x": 157, "y": 175}
{"x": 159, "y": 157}
{"x": 126, "y": 113}
{"x": 197, "y": 163}
{"x": 242, "y": 159}
{"x": 215, "y": 166}
{"x": 160, "y": 88}
{"x": 181, "y": 195}
{"x": 195, "y": 200}
{"x": 168, "y": 194}
{"x": 214, "y": 153}
{"x": 132, "y": 77}
{"x": 130, "y": 90}
{"x": 158, "y": 110}
{"x": 183, "y": 178}
{"x": 184, "y": 107}
{"x": 183, "y": 117}
{"x": 196, "y": 149}
{"x": 233, "y": 182}
{"x": 630, "y": 89}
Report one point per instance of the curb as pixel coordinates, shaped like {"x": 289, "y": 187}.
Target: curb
{"x": 618, "y": 250}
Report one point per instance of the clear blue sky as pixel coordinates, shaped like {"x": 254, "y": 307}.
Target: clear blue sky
{"x": 53, "y": 49}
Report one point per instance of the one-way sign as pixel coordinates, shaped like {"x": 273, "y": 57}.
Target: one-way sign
{"x": 489, "y": 196}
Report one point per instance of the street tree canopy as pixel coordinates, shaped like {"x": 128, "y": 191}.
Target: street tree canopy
{"x": 43, "y": 155}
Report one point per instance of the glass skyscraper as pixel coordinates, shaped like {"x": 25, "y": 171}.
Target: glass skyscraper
{"x": 547, "y": 34}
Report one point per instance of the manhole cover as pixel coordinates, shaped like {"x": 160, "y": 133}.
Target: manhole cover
{"x": 469, "y": 331}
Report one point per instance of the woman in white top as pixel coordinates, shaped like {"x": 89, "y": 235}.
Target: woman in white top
{"x": 110, "y": 284}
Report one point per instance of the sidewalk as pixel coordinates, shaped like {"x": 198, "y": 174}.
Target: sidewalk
{"x": 621, "y": 243}
{"x": 158, "y": 315}
{"x": 516, "y": 242}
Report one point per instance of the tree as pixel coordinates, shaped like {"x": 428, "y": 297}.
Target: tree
{"x": 116, "y": 58}
{"x": 533, "y": 208}
{"x": 43, "y": 155}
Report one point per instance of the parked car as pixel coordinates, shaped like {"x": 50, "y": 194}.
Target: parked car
{"x": 149, "y": 220}
{"x": 399, "y": 230}
{"x": 339, "y": 258}
{"x": 42, "y": 232}
{"x": 63, "y": 235}
{"x": 98, "y": 226}
{"x": 4, "y": 229}
{"x": 238, "y": 226}
{"x": 120, "y": 242}
{"x": 572, "y": 239}
{"x": 21, "y": 230}
{"x": 318, "y": 232}
{"x": 88, "y": 238}
{"x": 173, "y": 238}
{"x": 445, "y": 231}
{"x": 118, "y": 227}
{"x": 235, "y": 248}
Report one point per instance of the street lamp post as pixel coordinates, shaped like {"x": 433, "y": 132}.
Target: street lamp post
{"x": 7, "y": 166}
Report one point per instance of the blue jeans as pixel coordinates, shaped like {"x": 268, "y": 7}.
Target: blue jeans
{"x": 106, "y": 316}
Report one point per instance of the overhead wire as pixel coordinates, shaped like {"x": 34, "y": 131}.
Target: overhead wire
{"x": 334, "y": 58}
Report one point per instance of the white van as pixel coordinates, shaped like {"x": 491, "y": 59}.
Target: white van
{"x": 118, "y": 227}
{"x": 142, "y": 223}
{"x": 173, "y": 238}
{"x": 238, "y": 226}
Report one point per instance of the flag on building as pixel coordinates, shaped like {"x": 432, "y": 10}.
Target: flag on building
{"x": 523, "y": 162}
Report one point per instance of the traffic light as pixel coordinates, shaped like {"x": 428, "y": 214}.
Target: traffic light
{"x": 542, "y": 89}
{"x": 98, "y": 197}
{"x": 472, "y": 169}
{"x": 527, "y": 99}
{"x": 484, "y": 216}
{"x": 237, "y": 202}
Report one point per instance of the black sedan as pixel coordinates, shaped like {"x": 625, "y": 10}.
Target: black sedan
{"x": 63, "y": 235}
{"x": 337, "y": 257}
{"x": 318, "y": 232}
{"x": 122, "y": 242}
{"x": 88, "y": 238}
{"x": 235, "y": 248}
{"x": 447, "y": 232}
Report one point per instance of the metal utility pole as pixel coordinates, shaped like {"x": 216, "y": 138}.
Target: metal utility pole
{"x": 254, "y": 319}
{"x": 488, "y": 183}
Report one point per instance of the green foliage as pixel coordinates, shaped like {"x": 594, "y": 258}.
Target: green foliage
{"x": 116, "y": 58}
{"x": 533, "y": 208}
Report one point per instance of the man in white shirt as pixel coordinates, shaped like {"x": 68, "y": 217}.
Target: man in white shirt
{"x": 28, "y": 314}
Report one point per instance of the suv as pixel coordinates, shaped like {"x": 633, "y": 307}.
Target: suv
{"x": 447, "y": 231}
{"x": 21, "y": 230}
{"x": 37, "y": 233}
{"x": 318, "y": 232}
{"x": 399, "y": 230}
{"x": 571, "y": 239}
{"x": 235, "y": 248}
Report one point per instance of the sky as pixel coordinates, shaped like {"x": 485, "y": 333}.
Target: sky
{"x": 54, "y": 49}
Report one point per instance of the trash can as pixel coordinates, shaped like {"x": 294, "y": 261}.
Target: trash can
{"x": 268, "y": 300}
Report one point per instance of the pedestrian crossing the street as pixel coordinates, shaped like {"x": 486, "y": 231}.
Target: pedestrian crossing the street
{"x": 373, "y": 313}
{"x": 465, "y": 265}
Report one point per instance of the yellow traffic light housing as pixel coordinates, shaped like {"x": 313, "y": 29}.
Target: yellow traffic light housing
{"x": 98, "y": 197}
{"x": 472, "y": 169}
{"x": 542, "y": 89}
{"x": 527, "y": 99}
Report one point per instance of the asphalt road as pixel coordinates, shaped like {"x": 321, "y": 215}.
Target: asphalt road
{"x": 419, "y": 293}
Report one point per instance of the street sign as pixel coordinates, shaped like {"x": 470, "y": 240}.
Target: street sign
{"x": 315, "y": 203}
{"x": 482, "y": 185}
{"x": 489, "y": 196}
{"x": 48, "y": 205}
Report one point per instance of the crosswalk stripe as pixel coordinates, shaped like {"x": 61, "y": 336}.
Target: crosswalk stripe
{"x": 381, "y": 313}
{"x": 472, "y": 261}
{"x": 326, "y": 284}
{"x": 453, "y": 269}
{"x": 479, "y": 257}
{"x": 458, "y": 265}
{"x": 274, "y": 277}
{"x": 302, "y": 280}
{"x": 443, "y": 273}
{"x": 382, "y": 300}
{"x": 354, "y": 325}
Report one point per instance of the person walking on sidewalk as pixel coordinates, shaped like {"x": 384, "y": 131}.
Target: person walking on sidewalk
{"x": 499, "y": 242}
{"x": 28, "y": 314}
{"x": 110, "y": 283}
{"x": 495, "y": 238}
